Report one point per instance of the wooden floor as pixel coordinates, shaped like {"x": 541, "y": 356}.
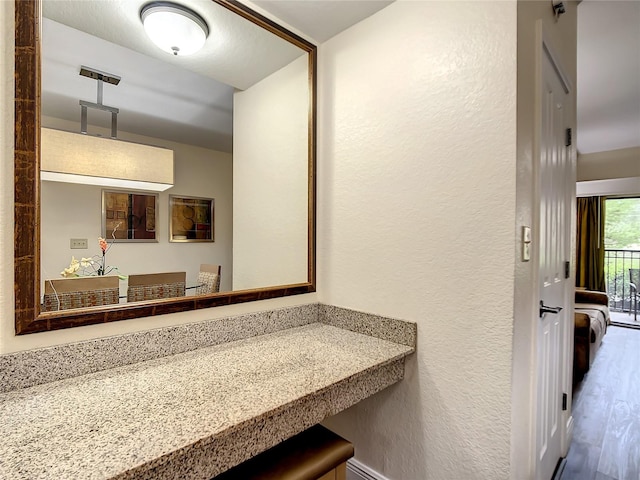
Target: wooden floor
{"x": 606, "y": 410}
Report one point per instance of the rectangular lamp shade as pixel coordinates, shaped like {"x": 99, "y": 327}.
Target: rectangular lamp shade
{"x": 77, "y": 158}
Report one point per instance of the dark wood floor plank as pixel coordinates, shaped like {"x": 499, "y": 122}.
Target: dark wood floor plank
{"x": 606, "y": 412}
{"x": 582, "y": 462}
{"x": 629, "y": 381}
{"x": 602, "y": 476}
{"x": 620, "y": 452}
{"x": 596, "y": 393}
{"x": 592, "y": 414}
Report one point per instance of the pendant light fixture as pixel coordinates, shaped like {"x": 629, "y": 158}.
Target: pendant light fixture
{"x": 75, "y": 158}
{"x": 174, "y": 28}
{"x": 81, "y": 158}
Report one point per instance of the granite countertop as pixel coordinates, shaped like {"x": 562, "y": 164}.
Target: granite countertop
{"x": 194, "y": 414}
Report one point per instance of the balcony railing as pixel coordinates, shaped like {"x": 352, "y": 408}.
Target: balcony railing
{"x": 616, "y": 270}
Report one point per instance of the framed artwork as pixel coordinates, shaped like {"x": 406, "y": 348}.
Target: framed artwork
{"x": 191, "y": 219}
{"x": 129, "y": 216}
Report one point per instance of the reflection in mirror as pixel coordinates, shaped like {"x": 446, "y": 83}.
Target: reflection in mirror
{"x": 227, "y": 128}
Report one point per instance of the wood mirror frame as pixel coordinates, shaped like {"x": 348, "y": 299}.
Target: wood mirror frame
{"x": 28, "y": 315}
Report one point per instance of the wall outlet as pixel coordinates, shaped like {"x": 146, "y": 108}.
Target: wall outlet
{"x": 79, "y": 243}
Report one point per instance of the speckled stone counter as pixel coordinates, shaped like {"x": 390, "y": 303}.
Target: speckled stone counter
{"x": 193, "y": 414}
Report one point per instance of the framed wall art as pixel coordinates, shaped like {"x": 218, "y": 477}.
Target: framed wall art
{"x": 129, "y": 216}
{"x": 191, "y": 219}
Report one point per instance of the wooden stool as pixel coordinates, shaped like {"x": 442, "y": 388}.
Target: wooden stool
{"x": 315, "y": 454}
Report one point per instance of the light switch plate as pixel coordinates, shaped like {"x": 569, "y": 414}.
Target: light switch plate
{"x": 79, "y": 243}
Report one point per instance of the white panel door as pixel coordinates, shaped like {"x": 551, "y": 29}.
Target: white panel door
{"x": 554, "y": 241}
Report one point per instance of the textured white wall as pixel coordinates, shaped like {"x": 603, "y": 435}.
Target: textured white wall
{"x": 270, "y": 195}
{"x": 73, "y": 211}
{"x": 416, "y": 221}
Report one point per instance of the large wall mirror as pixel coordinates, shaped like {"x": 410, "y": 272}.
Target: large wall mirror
{"x": 152, "y": 180}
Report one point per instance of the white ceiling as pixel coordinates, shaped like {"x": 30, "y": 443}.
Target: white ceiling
{"x": 322, "y": 19}
{"x": 608, "y": 87}
{"x": 198, "y": 95}
{"x": 186, "y": 99}
{"x": 155, "y": 98}
{"x": 236, "y": 52}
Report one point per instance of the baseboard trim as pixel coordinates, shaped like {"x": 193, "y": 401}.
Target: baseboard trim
{"x": 359, "y": 471}
{"x": 626, "y": 325}
{"x": 557, "y": 475}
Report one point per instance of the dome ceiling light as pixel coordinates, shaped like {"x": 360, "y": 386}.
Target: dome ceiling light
{"x": 174, "y": 28}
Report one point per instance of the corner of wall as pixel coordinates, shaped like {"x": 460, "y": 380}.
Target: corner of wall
{"x": 6, "y": 169}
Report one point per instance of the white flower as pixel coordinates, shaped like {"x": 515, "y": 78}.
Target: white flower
{"x": 74, "y": 265}
{"x": 67, "y": 272}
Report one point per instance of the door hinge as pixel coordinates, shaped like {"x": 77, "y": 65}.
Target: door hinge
{"x": 567, "y": 269}
{"x": 567, "y": 139}
{"x": 564, "y": 401}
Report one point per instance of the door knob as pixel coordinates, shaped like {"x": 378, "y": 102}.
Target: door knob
{"x": 545, "y": 309}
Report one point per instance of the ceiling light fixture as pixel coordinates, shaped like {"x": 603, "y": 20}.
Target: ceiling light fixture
{"x": 81, "y": 158}
{"x": 174, "y": 28}
{"x": 74, "y": 158}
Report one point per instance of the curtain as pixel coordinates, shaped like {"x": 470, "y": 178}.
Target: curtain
{"x": 590, "y": 243}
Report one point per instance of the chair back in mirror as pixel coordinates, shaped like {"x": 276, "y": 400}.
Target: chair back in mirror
{"x": 208, "y": 279}
{"x": 81, "y": 292}
{"x": 152, "y": 286}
